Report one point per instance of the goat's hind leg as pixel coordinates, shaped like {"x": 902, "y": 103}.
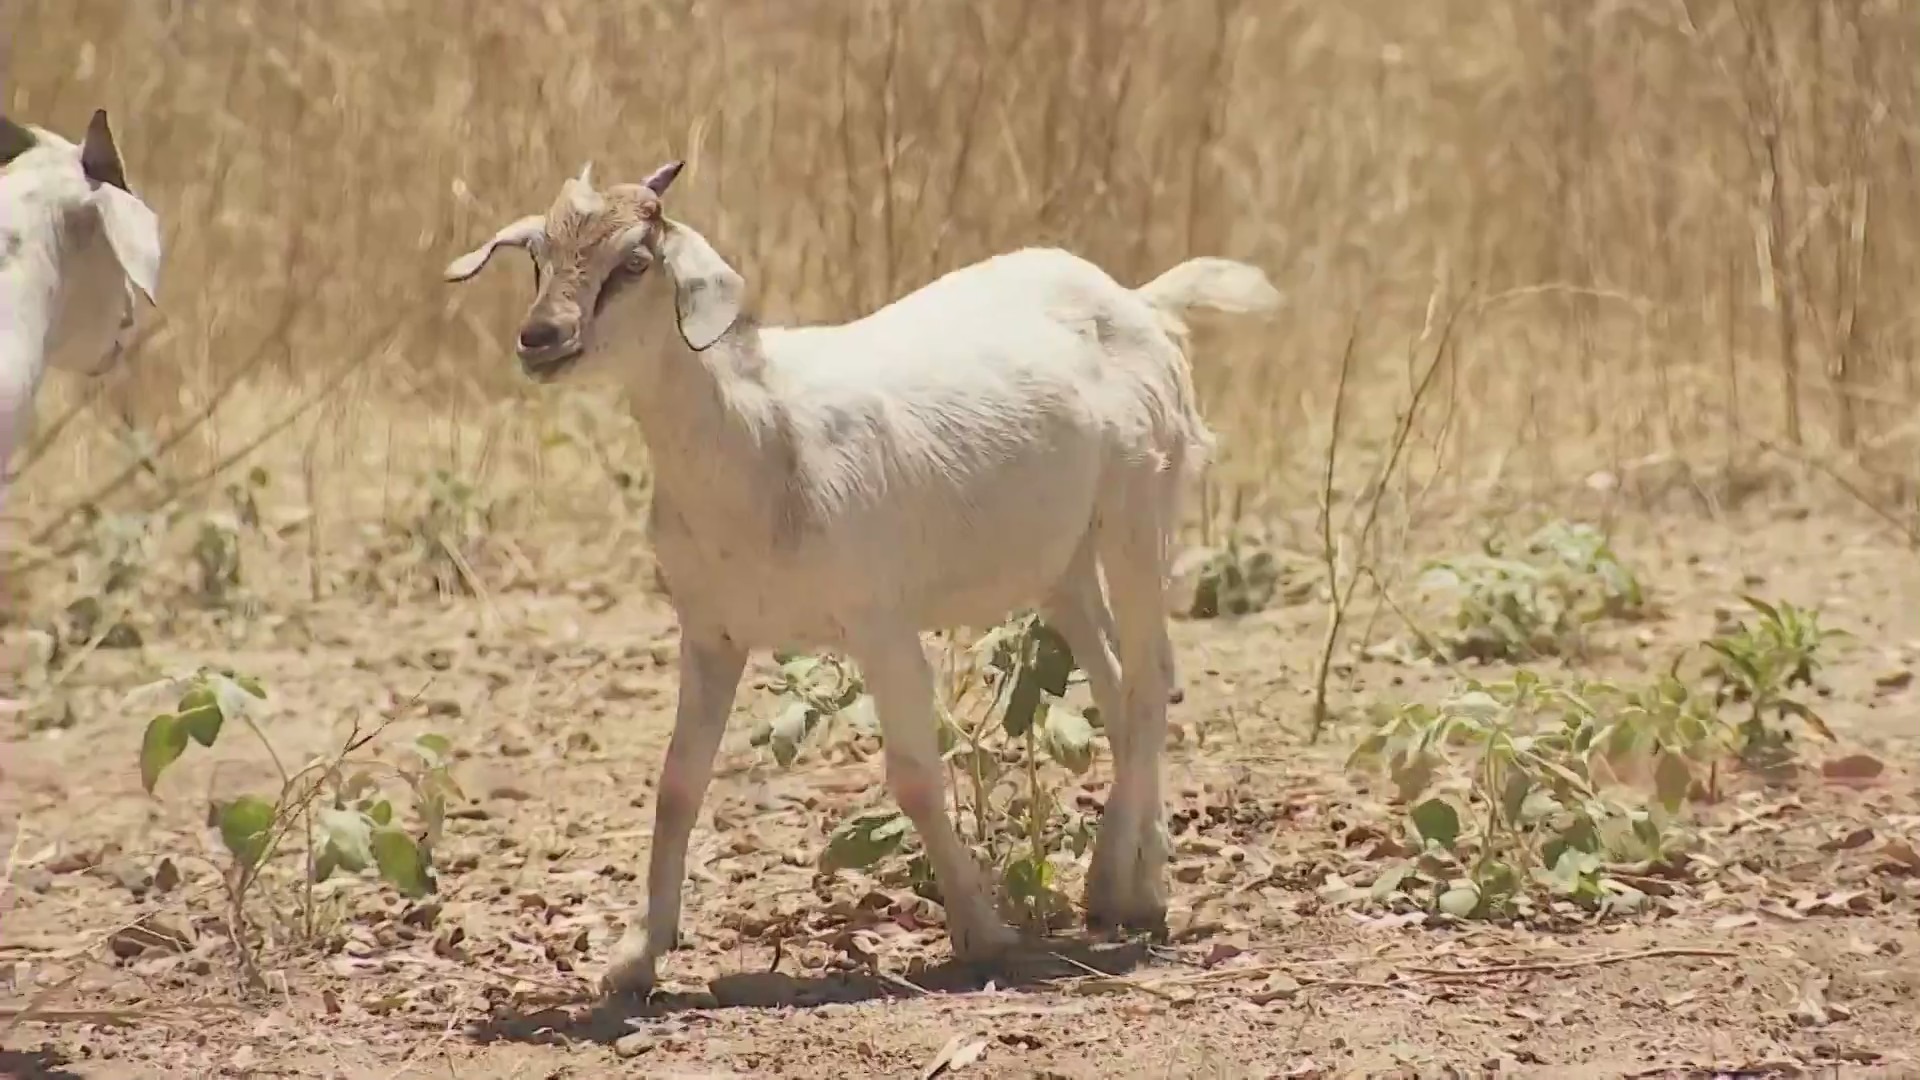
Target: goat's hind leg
{"x": 896, "y": 670}
{"x": 710, "y": 668}
{"x": 1126, "y": 885}
{"x": 1078, "y": 610}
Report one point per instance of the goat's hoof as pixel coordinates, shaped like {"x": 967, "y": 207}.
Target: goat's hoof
{"x": 984, "y": 943}
{"x": 629, "y": 977}
{"x": 1115, "y": 920}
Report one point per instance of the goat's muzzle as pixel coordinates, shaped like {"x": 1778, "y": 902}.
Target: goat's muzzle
{"x": 546, "y": 348}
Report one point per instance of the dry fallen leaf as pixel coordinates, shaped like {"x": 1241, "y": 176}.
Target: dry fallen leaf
{"x": 1859, "y": 837}
{"x": 1902, "y": 853}
{"x": 1810, "y": 1009}
{"x": 958, "y": 1053}
{"x": 1853, "y": 769}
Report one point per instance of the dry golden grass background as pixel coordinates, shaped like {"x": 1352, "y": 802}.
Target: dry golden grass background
{"x": 1675, "y": 230}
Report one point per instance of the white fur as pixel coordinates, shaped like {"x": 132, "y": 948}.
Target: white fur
{"x": 992, "y": 441}
{"x": 72, "y": 256}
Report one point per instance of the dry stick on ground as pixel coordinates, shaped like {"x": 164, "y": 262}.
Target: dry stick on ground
{"x": 1415, "y": 974}
{"x": 1581, "y": 963}
{"x": 1339, "y": 597}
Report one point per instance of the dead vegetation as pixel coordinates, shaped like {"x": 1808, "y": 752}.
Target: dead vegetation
{"x": 1588, "y": 421}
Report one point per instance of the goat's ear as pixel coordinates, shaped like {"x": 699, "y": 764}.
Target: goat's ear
{"x": 99, "y": 158}
{"x": 14, "y": 140}
{"x": 519, "y": 234}
{"x": 663, "y": 177}
{"x": 707, "y": 293}
{"x": 133, "y": 231}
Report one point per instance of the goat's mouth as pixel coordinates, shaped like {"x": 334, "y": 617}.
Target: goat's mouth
{"x": 548, "y": 364}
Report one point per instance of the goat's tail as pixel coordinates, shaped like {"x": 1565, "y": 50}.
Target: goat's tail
{"x": 1210, "y": 282}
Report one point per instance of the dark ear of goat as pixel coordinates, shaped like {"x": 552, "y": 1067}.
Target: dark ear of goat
{"x": 14, "y": 141}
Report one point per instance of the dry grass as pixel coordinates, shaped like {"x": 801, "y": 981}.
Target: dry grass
{"x": 1688, "y": 223}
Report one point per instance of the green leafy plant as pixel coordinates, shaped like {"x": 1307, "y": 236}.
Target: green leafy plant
{"x": 817, "y": 689}
{"x": 1004, "y": 731}
{"x": 334, "y": 812}
{"x": 1760, "y": 666}
{"x": 1502, "y": 802}
{"x": 444, "y": 541}
{"x": 1238, "y": 578}
{"x": 216, "y": 551}
{"x": 1516, "y": 602}
{"x": 108, "y": 570}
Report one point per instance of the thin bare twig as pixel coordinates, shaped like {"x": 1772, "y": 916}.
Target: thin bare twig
{"x": 1602, "y": 960}
{"x": 1339, "y": 596}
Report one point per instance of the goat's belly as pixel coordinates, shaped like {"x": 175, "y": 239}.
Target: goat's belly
{"x": 941, "y": 571}
{"x": 974, "y": 573}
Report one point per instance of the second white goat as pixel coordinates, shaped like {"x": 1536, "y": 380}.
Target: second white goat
{"x": 75, "y": 244}
{"x": 997, "y": 439}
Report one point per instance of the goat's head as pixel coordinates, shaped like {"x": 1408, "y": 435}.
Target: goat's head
{"x": 105, "y": 240}
{"x": 591, "y": 252}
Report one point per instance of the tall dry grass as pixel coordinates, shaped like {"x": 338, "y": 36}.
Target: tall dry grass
{"x": 1690, "y": 229}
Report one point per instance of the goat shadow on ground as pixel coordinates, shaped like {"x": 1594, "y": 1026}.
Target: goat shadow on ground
{"x": 1029, "y": 967}
{"x": 36, "y": 1065}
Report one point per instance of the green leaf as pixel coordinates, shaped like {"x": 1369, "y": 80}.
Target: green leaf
{"x": 381, "y": 813}
{"x": 865, "y": 839}
{"x": 1028, "y": 878}
{"x": 1022, "y": 705}
{"x": 349, "y": 836}
{"x": 1052, "y": 659}
{"x": 164, "y": 742}
{"x": 1044, "y": 666}
{"x": 401, "y": 861}
{"x": 1460, "y": 901}
{"x": 435, "y": 748}
{"x": 1437, "y": 821}
{"x": 199, "y": 713}
{"x": 245, "y": 827}
{"x": 1671, "y": 780}
{"x": 1069, "y": 738}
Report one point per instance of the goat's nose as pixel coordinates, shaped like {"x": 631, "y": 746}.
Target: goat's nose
{"x": 539, "y": 334}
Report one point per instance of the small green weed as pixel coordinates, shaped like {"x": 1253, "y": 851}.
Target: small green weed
{"x": 1536, "y": 599}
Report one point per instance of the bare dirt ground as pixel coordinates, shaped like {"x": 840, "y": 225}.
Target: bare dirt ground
{"x": 1798, "y": 956}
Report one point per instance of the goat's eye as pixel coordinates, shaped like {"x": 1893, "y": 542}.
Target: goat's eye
{"x": 635, "y": 263}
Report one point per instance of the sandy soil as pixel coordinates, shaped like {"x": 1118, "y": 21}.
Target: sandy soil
{"x": 1799, "y": 956}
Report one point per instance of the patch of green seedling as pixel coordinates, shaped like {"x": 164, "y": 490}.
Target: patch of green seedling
{"x": 336, "y": 813}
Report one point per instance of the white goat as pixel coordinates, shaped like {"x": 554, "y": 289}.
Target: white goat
{"x": 74, "y": 245}
{"x": 991, "y": 441}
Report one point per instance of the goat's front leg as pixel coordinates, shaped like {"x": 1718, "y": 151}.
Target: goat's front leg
{"x": 710, "y": 668}
{"x": 897, "y": 674}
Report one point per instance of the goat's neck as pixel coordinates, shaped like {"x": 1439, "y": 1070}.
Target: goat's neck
{"x": 707, "y": 418}
{"x": 29, "y": 296}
